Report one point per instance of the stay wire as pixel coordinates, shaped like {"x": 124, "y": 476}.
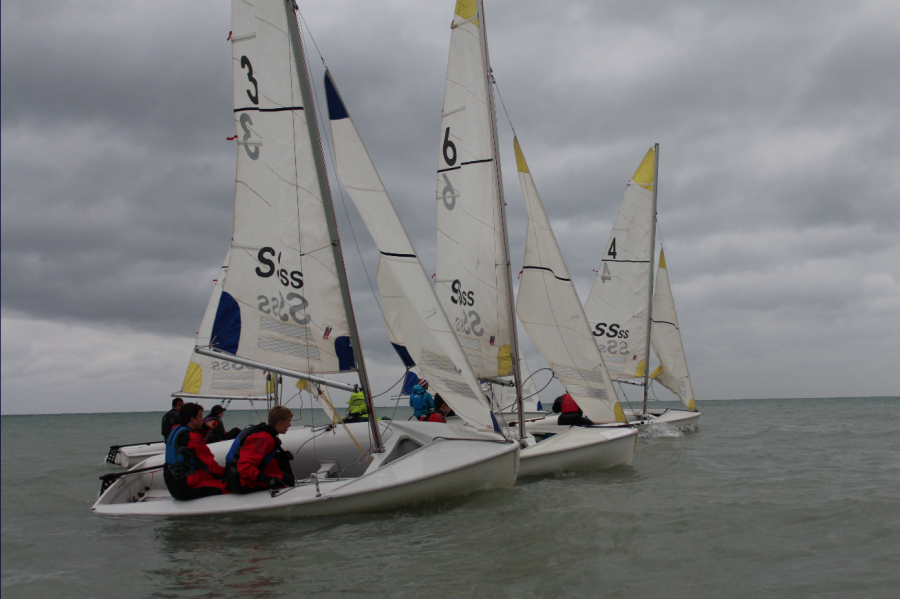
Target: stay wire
{"x": 502, "y": 103}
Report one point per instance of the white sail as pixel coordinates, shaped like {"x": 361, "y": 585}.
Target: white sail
{"x": 470, "y": 269}
{"x": 281, "y": 303}
{"x": 209, "y": 376}
{"x": 549, "y": 308}
{"x": 617, "y": 305}
{"x": 665, "y": 337}
{"x": 415, "y": 313}
{"x": 530, "y": 396}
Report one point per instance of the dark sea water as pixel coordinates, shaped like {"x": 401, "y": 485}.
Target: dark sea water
{"x": 771, "y": 498}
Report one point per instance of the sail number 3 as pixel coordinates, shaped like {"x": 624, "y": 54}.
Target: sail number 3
{"x": 245, "y": 119}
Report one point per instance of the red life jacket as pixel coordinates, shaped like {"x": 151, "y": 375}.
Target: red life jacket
{"x": 568, "y": 404}
{"x": 433, "y": 417}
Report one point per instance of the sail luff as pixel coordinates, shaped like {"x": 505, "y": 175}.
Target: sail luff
{"x": 470, "y": 267}
{"x": 324, "y": 188}
{"x": 551, "y": 312}
{"x": 672, "y": 372}
{"x": 650, "y": 275}
{"x": 515, "y": 350}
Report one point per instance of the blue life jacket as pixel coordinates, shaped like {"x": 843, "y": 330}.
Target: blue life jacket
{"x": 420, "y": 401}
{"x": 234, "y": 453}
{"x": 175, "y": 457}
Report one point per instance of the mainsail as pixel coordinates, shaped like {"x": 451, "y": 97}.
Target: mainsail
{"x": 412, "y": 310}
{"x": 219, "y": 378}
{"x": 471, "y": 267}
{"x": 617, "y": 305}
{"x": 665, "y": 337}
{"x": 551, "y": 312}
{"x": 282, "y": 303}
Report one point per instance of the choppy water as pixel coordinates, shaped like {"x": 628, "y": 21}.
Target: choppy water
{"x": 771, "y": 498}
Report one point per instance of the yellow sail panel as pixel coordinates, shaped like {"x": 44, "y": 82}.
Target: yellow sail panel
{"x": 645, "y": 173}
{"x": 504, "y": 361}
{"x": 520, "y": 158}
{"x": 466, "y": 9}
{"x": 192, "y": 379}
{"x": 662, "y": 259}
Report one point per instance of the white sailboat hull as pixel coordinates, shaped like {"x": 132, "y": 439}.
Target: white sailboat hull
{"x": 578, "y": 449}
{"x": 422, "y": 462}
{"x": 128, "y": 456}
{"x": 673, "y": 417}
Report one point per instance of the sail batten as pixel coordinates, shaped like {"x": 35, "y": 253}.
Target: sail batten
{"x": 417, "y": 325}
{"x": 551, "y": 312}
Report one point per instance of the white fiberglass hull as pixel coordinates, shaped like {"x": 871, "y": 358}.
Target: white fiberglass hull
{"x": 128, "y": 456}
{"x": 421, "y": 462}
{"x": 673, "y": 417}
{"x": 577, "y": 449}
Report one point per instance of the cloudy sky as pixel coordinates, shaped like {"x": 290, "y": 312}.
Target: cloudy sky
{"x": 779, "y": 196}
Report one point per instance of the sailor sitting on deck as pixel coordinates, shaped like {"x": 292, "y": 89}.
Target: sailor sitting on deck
{"x": 357, "y": 410}
{"x": 170, "y": 420}
{"x": 440, "y": 412}
{"x": 570, "y": 414}
{"x": 420, "y": 400}
{"x": 256, "y": 461}
{"x": 191, "y": 471}
{"x": 216, "y": 428}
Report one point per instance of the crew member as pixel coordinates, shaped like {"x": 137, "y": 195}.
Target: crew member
{"x": 569, "y": 412}
{"x": 440, "y": 412}
{"x": 420, "y": 399}
{"x": 191, "y": 471}
{"x": 217, "y": 427}
{"x": 256, "y": 460}
{"x": 170, "y": 420}
{"x": 357, "y": 410}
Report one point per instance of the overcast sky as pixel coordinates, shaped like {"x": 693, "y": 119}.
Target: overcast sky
{"x": 779, "y": 193}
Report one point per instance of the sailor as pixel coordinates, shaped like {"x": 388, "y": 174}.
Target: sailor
{"x": 420, "y": 400}
{"x": 191, "y": 471}
{"x": 569, "y": 412}
{"x": 216, "y": 431}
{"x": 440, "y": 412}
{"x": 357, "y": 410}
{"x": 256, "y": 460}
{"x": 170, "y": 420}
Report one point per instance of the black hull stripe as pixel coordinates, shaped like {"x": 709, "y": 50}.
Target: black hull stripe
{"x": 399, "y": 255}
{"x": 281, "y": 109}
{"x": 544, "y": 268}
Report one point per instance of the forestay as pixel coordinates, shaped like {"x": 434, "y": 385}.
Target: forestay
{"x": 620, "y": 297}
{"x": 470, "y": 268}
{"x": 211, "y": 377}
{"x": 412, "y": 310}
{"x": 549, "y": 308}
{"x": 282, "y": 303}
{"x": 665, "y": 337}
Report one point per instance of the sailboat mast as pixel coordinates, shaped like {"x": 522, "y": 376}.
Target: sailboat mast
{"x": 650, "y": 292}
{"x": 513, "y": 333}
{"x": 319, "y": 158}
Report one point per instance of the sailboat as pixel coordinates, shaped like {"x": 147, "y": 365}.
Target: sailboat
{"x": 206, "y": 378}
{"x": 473, "y": 276}
{"x": 624, "y": 320}
{"x": 285, "y": 307}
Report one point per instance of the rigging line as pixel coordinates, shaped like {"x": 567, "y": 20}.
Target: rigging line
{"x": 502, "y": 103}
{"x": 392, "y": 386}
{"x": 625, "y": 395}
{"x": 308, "y": 30}
{"x": 535, "y": 393}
